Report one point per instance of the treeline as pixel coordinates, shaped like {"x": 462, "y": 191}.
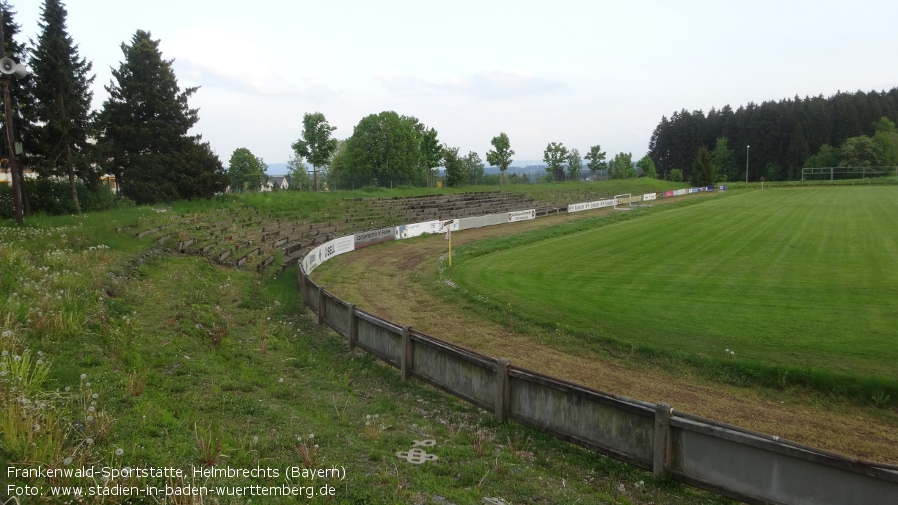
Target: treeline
{"x": 139, "y": 136}
{"x": 774, "y": 139}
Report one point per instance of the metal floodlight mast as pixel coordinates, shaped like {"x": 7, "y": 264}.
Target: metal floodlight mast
{"x": 746, "y": 164}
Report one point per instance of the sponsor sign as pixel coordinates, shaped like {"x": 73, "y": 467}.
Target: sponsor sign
{"x": 722, "y": 188}
{"x": 371, "y": 237}
{"x": 668, "y": 194}
{"x": 693, "y": 190}
{"x": 312, "y": 259}
{"x": 453, "y": 226}
{"x": 521, "y": 215}
{"x": 648, "y": 197}
{"x": 338, "y": 246}
{"x": 416, "y": 229}
{"x": 681, "y": 192}
{"x": 599, "y": 204}
{"x": 709, "y": 188}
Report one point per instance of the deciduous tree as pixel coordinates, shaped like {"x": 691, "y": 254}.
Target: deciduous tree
{"x": 621, "y": 167}
{"x": 456, "y": 170}
{"x": 501, "y": 155}
{"x": 384, "y": 150}
{"x": 474, "y": 167}
{"x": 316, "y": 144}
{"x": 555, "y": 156}
{"x": 595, "y": 160}
{"x": 574, "y": 165}
{"x": 246, "y": 171}
{"x": 648, "y": 167}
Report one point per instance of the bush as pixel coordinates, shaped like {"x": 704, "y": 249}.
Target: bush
{"x": 54, "y": 197}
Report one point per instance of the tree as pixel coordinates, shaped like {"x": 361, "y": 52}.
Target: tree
{"x": 595, "y": 160}
{"x": 703, "y": 171}
{"x": 724, "y": 159}
{"x": 456, "y": 170}
{"x": 143, "y": 131}
{"x": 825, "y": 158}
{"x": 384, "y": 149}
{"x": 886, "y": 137}
{"x": 62, "y": 101}
{"x": 247, "y": 172}
{"x": 621, "y": 167}
{"x": 555, "y": 157}
{"x": 316, "y": 144}
{"x": 474, "y": 167}
{"x": 675, "y": 175}
{"x": 574, "y": 165}
{"x": 860, "y": 151}
{"x": 297, "y": 174}
{"x": 501, "y": 155}
{"x": 648, "y": 167}
{"x": 431, "y": 152}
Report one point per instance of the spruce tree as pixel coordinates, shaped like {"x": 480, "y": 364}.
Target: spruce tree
{"x": 144, "y": 126}
{"x": 62, "y": 101}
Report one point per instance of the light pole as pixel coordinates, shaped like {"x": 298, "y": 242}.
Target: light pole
{"x": 746, "y": 164}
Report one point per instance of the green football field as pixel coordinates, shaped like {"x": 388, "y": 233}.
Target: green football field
{"x": 795, "y": 279}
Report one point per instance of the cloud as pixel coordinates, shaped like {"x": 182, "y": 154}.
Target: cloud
{"x": 485, "y": 85}
{"x": 216, "y": 57}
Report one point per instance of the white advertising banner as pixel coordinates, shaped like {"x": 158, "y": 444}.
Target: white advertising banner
{"x": 521, "y": 215}
{"x": 648, "y": 197}
{"x": 599, "y": 204}
{"x": 417, "y": 229}
{"x": 681, "y": 192}
{"x": 312, "y": 259}
{"x": 338, "y": 246}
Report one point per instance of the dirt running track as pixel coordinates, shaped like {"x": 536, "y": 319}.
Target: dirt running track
{"x": 390, "y": 281}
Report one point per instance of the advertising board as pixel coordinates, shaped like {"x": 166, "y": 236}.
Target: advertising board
{"x": 521, "y": 215}
{"x": 371, "y": 237}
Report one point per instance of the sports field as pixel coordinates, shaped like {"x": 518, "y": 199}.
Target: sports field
{"x": 800, "y": 281}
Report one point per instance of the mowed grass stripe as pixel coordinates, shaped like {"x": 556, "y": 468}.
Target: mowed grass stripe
{"x": 804, "y": 277}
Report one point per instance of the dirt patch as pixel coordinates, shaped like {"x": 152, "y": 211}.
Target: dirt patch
{"x": 388, "y": 280}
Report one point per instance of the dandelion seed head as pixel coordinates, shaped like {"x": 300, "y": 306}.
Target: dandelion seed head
{"x": 119, "y": 451}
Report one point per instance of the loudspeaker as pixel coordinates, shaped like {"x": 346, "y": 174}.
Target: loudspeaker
{"x": 7, "y": 66}
{"x": 10, "y": 67}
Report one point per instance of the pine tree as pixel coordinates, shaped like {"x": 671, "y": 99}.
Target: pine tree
{"x": 703, "y": 171}
{"x": 144, "y": 126}
{"x": 62, "y": 101}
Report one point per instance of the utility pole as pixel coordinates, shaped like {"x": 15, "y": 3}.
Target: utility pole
{"x": 8, "y": 69}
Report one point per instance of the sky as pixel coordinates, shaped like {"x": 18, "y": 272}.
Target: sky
{"x": 577, "y": 72}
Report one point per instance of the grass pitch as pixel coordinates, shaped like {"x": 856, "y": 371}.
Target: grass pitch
{"x": 786, "y": 286}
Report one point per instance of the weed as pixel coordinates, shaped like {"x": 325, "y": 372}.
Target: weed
{"x": 881, "y": 399}
{"x": 136, "y": 383}
{"x": 208, "y": 446}
{"x": 482, "y": 440}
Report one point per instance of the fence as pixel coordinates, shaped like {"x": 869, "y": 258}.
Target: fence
{"x": 728, "y": 460}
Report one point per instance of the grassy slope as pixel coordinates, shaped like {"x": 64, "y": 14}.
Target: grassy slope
{"x": 187, "y": 361}
{"x": 802, "y": 279}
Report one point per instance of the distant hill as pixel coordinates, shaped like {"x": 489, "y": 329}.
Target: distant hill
{"x": 277, "y": 169}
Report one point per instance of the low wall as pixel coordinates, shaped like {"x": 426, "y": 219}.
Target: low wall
{"x": 728, "y": 460}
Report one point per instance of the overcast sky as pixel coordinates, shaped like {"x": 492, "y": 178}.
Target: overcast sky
{"x": 577, "y": 72}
